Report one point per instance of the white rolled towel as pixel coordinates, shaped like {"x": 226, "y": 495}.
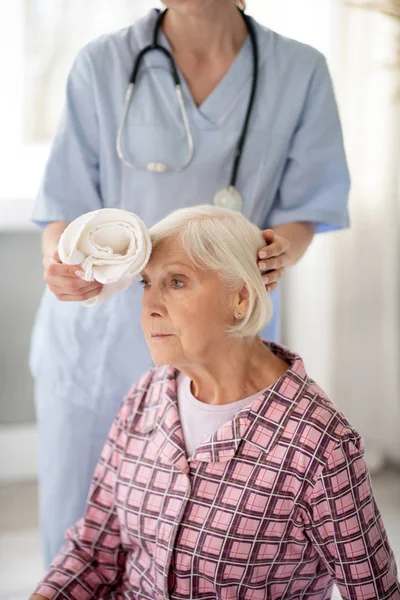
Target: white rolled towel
{"x": 111, "y": 245}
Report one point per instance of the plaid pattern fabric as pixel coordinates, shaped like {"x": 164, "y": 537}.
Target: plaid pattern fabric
{"x": 277, "y": 504}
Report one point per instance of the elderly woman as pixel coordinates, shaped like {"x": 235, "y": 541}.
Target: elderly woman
{"x": 227, "y": 473}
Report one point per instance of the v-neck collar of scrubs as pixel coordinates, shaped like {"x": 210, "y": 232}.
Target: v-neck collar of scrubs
{"x": 231, "y": 89}
{"x": 218, "y": 103}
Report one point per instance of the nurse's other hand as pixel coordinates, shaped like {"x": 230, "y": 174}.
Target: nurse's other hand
{"x": 274, "y": 258}
{"x": 65, "y": 284}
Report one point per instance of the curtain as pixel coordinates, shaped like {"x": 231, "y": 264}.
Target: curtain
{"x": 341, "y": 303}
{"x": 366, "y": 311}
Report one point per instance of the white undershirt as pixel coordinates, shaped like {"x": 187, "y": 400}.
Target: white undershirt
{"x": 200, "y": 420}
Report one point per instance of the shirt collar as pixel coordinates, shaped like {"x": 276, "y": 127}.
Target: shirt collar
{"x": 260, "y": 424}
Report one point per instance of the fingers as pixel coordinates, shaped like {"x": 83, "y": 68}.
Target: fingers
{"x": 71, "y": 286}
{"x": 272, "y": 278}
{"x": 55, "y": 269}
{"x": 277, "y": 248}
{"x": 65, "y": 281}
{"x": 78, "y": 296}
{"x": 269, "y": 235}
{"x": 68, "y": 283}
{"x": 273, "y": 259}
{"x": 271, "y": 287}
{"x": 272, "y": 263}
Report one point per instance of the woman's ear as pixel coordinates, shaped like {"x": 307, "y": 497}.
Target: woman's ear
{"x": 242, "y": 302}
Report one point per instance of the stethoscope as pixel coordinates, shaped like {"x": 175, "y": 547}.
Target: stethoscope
{"x": 228, "y": 197}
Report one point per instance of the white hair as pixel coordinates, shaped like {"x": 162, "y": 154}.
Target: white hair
{"x": 222, "y": 241}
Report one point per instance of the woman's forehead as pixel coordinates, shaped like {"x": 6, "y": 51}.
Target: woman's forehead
{"x": 169, "y": 256}
{"x": 170, "y": 249}
{"x": 169, "y": 252}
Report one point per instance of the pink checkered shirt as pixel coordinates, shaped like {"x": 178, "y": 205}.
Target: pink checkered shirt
{"x": 276, "y": 504}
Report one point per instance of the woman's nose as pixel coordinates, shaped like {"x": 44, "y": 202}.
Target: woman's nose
{"x": 153, "y": 303}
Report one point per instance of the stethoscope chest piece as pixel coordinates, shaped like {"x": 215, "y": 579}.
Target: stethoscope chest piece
{"x": 229, "y": 197}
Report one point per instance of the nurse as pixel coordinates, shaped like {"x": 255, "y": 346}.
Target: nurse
{"x": 253, "y": 125}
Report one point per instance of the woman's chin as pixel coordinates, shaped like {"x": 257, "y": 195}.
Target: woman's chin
{"x": 162, "y": 356}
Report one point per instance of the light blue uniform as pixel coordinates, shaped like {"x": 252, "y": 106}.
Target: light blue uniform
{"x": 293, "y": 168}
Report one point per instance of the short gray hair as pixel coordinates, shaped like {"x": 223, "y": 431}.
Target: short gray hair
{"x": 223, "y": 241}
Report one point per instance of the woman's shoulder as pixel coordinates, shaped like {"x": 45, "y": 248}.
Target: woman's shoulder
{"x": 317, "y": 433}
{"x": 324, "y": 414}
{"x": 312, "y": 420}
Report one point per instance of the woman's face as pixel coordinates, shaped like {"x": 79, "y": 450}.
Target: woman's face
{"x": 185, "y": 311}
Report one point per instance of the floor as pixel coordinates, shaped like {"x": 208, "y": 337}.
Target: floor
{"x": 20, "y": 560}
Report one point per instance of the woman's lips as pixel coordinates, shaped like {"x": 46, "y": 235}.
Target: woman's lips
{"x": 160, "y": 336}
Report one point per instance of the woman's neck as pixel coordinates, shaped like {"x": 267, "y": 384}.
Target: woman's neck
{"x": 217, "y": 30}
{"x": 235, "y": 371}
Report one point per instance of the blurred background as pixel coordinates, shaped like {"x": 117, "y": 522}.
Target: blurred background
{"x": 341, "y": 303}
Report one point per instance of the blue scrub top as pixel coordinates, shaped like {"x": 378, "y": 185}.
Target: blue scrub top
{"x": 293, "y": 168}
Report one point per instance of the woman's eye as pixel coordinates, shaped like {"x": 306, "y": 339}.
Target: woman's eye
{"x": 144, "y": 283}
{"x": 177, "y": 283}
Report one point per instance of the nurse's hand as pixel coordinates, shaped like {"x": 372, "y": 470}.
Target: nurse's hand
{"x": 274, "y": 258}
{"x": 64, "y": 282}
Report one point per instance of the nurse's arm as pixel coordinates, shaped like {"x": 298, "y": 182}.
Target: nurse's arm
{"x": 61, "y": 279}
{"x": 315, "y": 183}
{"x": 286, "y": 245}
{"x": 299, "y": 236}
{"x": 51, "y": 236}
